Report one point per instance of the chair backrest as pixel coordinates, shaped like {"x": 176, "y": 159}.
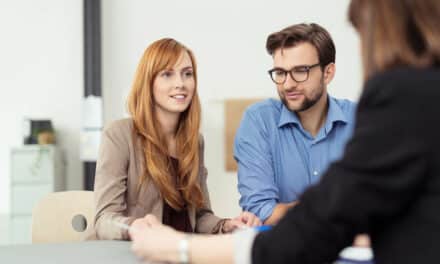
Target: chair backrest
{"x": 234, "y": 110}
{"x": 52, "y": 217}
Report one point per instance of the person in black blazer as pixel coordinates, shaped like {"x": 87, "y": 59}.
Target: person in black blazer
{"x": 388, "y": 182}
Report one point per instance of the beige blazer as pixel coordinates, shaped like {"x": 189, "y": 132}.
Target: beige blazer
{"x": 118, "y": 169}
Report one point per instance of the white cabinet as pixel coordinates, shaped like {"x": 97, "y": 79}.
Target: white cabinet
{"x": 36, "y": 170}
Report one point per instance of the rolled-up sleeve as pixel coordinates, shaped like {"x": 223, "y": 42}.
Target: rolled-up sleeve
{"x": 243, "y": 240}
{"x": 256, "y": 179}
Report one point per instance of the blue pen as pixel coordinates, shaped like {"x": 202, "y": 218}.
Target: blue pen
{"x": 263, "y": 228}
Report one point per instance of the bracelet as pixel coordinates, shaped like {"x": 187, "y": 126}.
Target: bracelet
{"x": 184, "y": 249}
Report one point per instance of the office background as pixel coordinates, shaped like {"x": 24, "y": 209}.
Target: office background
{"x": 41, "y": 66}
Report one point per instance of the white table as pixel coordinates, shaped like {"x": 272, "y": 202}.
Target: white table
{"x": 4, "y": 230}
{"x": 92, "y": 252}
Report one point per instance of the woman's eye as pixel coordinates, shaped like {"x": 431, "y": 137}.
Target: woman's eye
{"x": 167, "y": 74}
{"x": 188, "y": 74}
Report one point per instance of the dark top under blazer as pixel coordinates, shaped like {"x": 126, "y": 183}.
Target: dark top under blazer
{"x": 386, "y": 184}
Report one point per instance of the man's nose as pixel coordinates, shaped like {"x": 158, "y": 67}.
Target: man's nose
{"x": 290, "y": 82}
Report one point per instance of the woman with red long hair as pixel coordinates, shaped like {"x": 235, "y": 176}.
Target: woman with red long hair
{"x": 152, "y": 163}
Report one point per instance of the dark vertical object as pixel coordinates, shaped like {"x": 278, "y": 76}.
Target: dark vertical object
{"x": 92, "y": 67}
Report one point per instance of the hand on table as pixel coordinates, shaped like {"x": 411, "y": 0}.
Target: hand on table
{"x": 245, "y": 219}
{"x": 154, "y": 241}
{"x": 362, "y": 240}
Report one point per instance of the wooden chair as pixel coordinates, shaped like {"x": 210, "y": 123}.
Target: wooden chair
{"x": 53, "y": 217}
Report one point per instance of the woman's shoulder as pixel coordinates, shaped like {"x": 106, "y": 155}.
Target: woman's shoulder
{"x": 121, "y": 128}
{"x": 120, "y": 124}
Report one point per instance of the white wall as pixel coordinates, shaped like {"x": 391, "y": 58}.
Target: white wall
{"x": 41, "y": 76}
{"x": 228, "y": 38}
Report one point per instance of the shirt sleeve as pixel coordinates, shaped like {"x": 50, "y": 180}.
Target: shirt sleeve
{"x": 383, "y": 170}
{"x": 243, "y": 240}
{"x": 256, "y": 179}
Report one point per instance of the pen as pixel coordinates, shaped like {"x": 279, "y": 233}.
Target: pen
{"x": 263, "y": 228}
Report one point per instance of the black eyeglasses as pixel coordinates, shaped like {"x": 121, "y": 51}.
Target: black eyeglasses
{"x": 298, "y": 73}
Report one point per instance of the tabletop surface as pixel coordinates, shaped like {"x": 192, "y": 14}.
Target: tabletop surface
{"x": 4, "y": 230}
{"x": 70, "y": 253}
{"x": 109, "y": 251}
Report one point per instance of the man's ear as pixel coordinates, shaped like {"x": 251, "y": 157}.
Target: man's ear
{"x": 329, "y": 73}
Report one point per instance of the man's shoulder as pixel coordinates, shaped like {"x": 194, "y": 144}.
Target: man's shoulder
{"x": 344, "y": 103}
{"x": 265, "y": 107}
{"x": 347, "y": 106}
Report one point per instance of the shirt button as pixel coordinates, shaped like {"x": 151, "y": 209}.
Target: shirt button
{"x": 315, "y": 173}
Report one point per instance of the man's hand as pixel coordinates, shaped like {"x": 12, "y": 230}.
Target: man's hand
{"x": 278, "y": 212}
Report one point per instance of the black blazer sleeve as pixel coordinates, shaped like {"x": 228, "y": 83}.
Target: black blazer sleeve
{"x": 380, "y": 173}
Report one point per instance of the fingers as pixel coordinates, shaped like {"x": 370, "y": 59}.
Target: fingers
{"x": 255, "y": 221}
{"x": 139, "y": 253}
{"x": 135, "y": 227}
{"x": 151, "y": 220}
{"x": 139, "y": 223}
{"x": 132, "y": 234}
{"x": 137, "y": 247}
{"x": 234, "y": 224}
{"x": 362, "y": 240}
{"x": 249, "y": 219}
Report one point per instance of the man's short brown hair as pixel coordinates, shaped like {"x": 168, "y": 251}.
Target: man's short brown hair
{"x": 300, "y": 33}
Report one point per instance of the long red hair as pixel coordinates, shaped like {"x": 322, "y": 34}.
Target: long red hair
{"x": 160, "y": 55}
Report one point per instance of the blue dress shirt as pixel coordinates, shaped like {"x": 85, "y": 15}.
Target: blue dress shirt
{"x": 278, "y": 159}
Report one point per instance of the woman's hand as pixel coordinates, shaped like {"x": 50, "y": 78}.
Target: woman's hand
{"x": 245, "y": 219}
{"x": 154, "y": 241}
{"x": 362, "y": 240}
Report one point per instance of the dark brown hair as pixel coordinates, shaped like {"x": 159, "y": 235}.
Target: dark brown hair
{"x": 397, "y": 32}
{"x": 311, "y": 33}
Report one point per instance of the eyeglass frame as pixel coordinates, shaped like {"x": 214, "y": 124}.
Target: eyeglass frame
{"x": 307, "y": 68}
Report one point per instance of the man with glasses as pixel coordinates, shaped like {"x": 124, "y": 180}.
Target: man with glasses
{"x": 282, "y": 147}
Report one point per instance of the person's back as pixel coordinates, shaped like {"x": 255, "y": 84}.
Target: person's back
{"x": 388, "y": 182}
{"x": 413, "y": 96}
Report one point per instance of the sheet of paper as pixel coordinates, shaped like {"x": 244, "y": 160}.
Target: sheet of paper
{"x": 92, "y": 122}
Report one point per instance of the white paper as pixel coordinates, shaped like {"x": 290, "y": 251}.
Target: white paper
{"x": 91, "y": 129}
{"x": 92, "y": 112}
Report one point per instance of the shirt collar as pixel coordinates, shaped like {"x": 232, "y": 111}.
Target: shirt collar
{"x": 335, "y": 114}
{"x": 287, "y": 117}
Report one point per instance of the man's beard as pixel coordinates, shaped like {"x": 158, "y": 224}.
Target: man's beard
{"x": 308, "y": 102}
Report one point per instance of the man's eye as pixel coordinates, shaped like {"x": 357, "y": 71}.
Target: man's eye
{"x": 300, "y": 70}
{"x": 279, "y": 73}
